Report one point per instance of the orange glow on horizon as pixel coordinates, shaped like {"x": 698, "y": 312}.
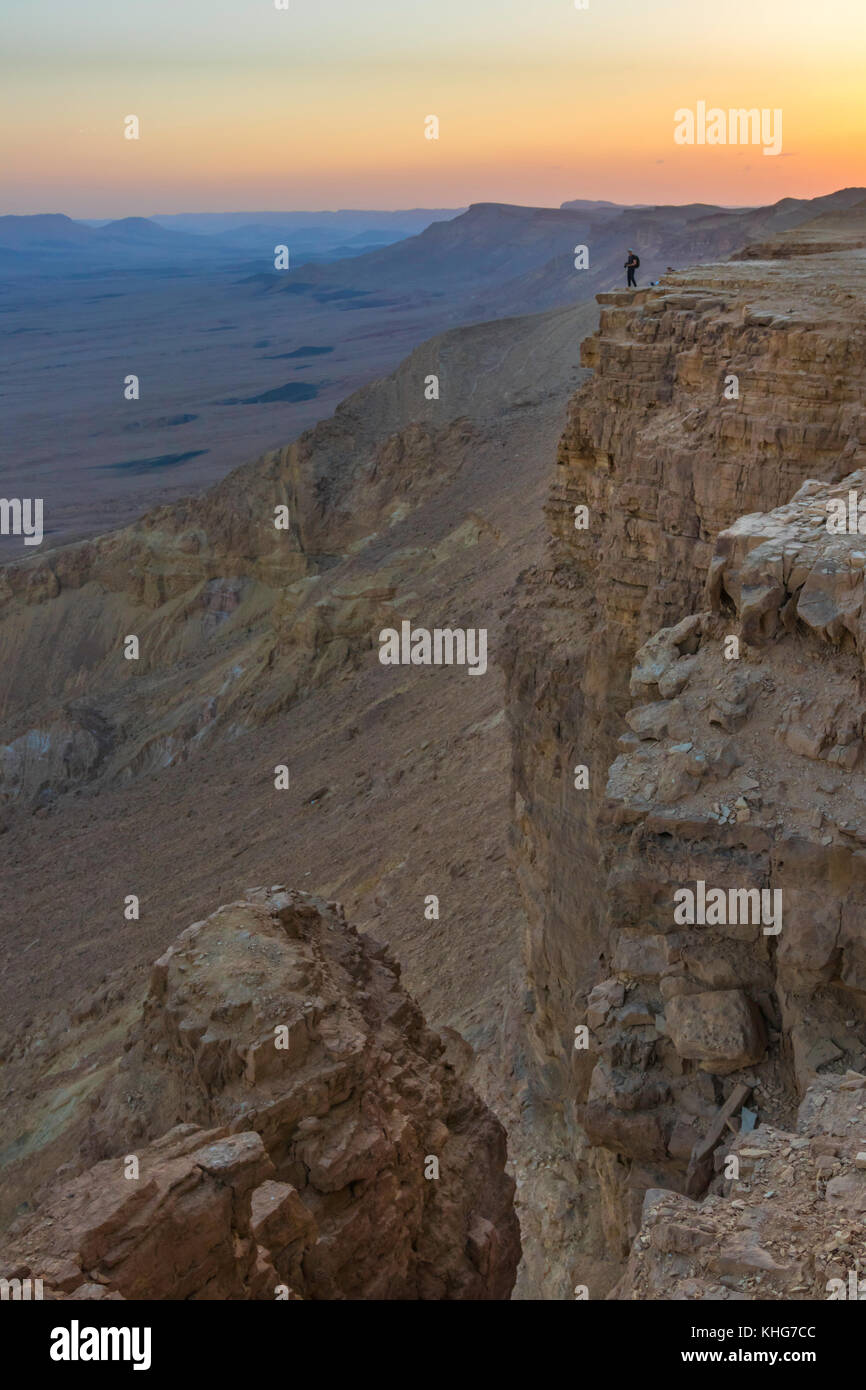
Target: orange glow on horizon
{"x": 573, "y": 113}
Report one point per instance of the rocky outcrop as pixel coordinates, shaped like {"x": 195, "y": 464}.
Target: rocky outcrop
{"x": 646, "y": 760}
{"x": 784, "y": 1219}
{"x": 282, "y": 1122}
{"x": 734, "y": 847}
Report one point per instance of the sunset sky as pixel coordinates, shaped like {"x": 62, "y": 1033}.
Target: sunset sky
{"x": 243, "y": 106}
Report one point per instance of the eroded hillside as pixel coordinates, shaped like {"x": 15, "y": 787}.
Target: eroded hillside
{"x": 156, "y": 777}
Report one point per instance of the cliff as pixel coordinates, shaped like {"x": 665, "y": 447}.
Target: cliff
{"x": 715, "y": 396}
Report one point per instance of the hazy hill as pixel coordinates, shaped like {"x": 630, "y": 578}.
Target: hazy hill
{"x": 52, "y": 243}
{"x": 141, "y": 231}
{"x": 341, "y": 224}
{"x": 489, "y": 244}
{"x": 44, "y": 229}
{"x": 838, "y": 225}
{"x": 598, "y": 204}
{"x": 497, "y": 259}
{"x": 309, "y": 242}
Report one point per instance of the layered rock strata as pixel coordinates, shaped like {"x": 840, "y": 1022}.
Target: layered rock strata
{"x": 646, "y": 761}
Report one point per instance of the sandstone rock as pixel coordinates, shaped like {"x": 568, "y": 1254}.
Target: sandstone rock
{"x": 651, "y": 721}
{"x": 641, "y": 955}
{"x": 822, "y": 1052}
{"x": 847, "y": 1191}
{"x": 636, "y": 1015}
{"x": 722, "y": 1030}
{"x": 605, "y": 996}
{"x": 278, "y": 1217}
{"x": 180, "y": 1230}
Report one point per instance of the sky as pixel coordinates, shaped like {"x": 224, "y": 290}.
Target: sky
{"x": 323, "y": 105}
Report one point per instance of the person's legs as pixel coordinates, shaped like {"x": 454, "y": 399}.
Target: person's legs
{"x": 630, "y": 283}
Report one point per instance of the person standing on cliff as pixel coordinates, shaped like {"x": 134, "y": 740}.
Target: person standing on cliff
{"x": 631, "y": 266}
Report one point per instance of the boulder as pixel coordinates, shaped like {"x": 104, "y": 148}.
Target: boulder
{"x": 720, "y": 1029}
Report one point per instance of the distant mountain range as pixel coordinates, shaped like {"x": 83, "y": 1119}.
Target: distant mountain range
{"x": 492, "y": 259}
{"x": 52, "y": 243}
{"x": 341, "y": 226}
{"x": 497, "y": 259}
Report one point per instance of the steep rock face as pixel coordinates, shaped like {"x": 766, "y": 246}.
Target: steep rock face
{"x": 738, "y": 785}
{"x": 315, "y": 1133}
{"x": 663, "y": 460}
{"x": 789, "y": 1225}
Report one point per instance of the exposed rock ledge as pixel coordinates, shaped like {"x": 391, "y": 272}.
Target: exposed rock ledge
{"x": 790, "y": 1226}
{"x": 291, "y": 1163}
